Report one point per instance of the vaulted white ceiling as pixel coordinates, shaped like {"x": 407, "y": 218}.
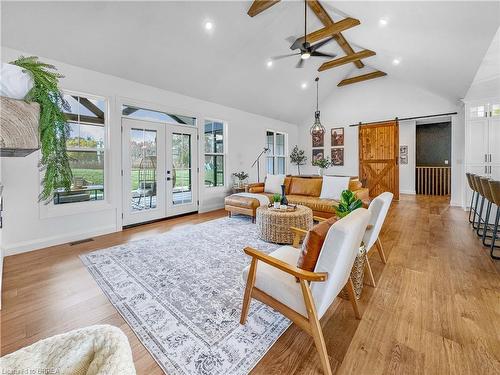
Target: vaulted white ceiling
{"x": 164, "y": 44}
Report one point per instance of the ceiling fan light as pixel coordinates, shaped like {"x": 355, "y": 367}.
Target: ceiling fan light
{"x": 305, "y": 55}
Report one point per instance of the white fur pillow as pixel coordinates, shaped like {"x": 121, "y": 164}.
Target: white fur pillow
{"x": 333, "y": 186}
{"x": 273, "y": 183}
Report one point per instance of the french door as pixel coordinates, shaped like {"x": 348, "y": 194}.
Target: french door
{"x": 160, "y": 174}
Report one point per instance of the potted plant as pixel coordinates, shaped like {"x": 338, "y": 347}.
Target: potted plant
{"x": 241, "y": 177}
{"x": 348, "y": 203}
{"x": 322, "y": 164}
{"x": 276, "y": 200}
{"x": 53, "y": 127}
{"x": 298, "y": 157}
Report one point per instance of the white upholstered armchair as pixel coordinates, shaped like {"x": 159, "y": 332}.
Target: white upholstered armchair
{"x": 272, "y": 278}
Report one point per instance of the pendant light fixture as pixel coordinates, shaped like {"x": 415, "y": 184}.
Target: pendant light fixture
{"x": 317, "y": 128}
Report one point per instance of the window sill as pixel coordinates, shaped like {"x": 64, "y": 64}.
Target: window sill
{"x": 68, "y": 209}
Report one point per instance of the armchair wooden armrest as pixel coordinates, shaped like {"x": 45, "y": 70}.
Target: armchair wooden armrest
{"x": 285, "y": 267}
{"x": 298, "y": 235}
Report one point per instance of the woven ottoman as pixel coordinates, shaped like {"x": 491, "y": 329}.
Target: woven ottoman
{"x": 236, "y": 204}
{"x": 274, "y": 225}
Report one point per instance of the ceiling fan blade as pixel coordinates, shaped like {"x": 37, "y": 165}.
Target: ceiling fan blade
{"x": 300, "y": 64}
{"x": 314, "y": 47}
{"x": 298, "y": 43}
{"x": 291, "y": 39}
{"x": 321, "y": 54}
{"x": 284, "y": 56}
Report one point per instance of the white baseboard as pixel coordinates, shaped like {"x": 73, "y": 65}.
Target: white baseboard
{"x": 210, "y": 207}
{"x": 25, "y": 246}
{"x": 410, "y": 192}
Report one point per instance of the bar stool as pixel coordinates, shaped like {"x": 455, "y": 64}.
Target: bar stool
{"x": 495, "y": 194}
{"x": 474, "y": 195}
{"x": 478, "y": 211}
{"x": 489, "y": 203}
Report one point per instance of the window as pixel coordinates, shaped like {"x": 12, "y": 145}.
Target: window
{"x": 276, "y": 157}
{"x": 479, "y": 111}
{"x": 150, "y": 115}
{"x": 85, "y": 146}
{"x": 214, "y": 153}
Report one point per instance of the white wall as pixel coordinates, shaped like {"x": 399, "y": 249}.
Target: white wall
{"x": 25, "y": 225}
{"x": 376, "y": 100}
{"x": 408, "y": 137}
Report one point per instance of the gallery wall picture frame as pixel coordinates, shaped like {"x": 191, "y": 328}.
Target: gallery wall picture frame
{"x": 337, "y": 156}
{"x": 337, "y": 137}
{"x": 403, "y": 154}
{"x": 318, "y": 153}
{"x": 318, "y": 139}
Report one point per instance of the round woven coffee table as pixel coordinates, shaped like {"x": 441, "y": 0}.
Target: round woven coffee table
{"x": 274, "y": 225}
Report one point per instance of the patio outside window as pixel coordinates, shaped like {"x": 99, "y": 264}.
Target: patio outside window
{"x": 85, "y": 146}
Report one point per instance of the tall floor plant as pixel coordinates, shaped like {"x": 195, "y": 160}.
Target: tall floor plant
{"x": 53, "y": 128}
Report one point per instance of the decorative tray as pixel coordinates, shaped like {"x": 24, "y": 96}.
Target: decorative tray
{"x": 289, "y": 208}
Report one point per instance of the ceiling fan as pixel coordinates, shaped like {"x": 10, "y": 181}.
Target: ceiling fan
{"x": 306, "y": 49}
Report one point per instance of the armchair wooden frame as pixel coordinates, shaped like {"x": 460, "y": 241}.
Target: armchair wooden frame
{"x": 311, "y": 324}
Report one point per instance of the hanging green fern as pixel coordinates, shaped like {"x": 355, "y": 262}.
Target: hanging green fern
{"x": 53, "y": 128}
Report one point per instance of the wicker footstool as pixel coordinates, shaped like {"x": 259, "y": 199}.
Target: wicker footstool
{"x": 274, "y": 225}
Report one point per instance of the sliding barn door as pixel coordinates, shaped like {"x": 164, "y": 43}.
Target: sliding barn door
{"x": 378, "y": 157}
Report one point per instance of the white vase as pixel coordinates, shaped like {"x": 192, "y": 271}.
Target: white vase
{"x": 14, "y": 83}
{"x": 276, "y": 204}
{"x": 321, "y": 171}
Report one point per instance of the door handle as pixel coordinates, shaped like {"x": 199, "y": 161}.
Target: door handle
{"x": 490, "y": 158}
{"x": 168, "y": 178}
{"x": 485, "y": 169}
{"x": 485, "y": 158}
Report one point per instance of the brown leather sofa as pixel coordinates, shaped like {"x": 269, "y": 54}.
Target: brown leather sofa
{"x": 298, "y": 190}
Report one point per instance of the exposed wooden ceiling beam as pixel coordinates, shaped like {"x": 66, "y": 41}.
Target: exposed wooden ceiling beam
{"x": 258, "y": 6}
{"x": 326, "y": 32}
{"x": 326, "y": 20}
{"x": 363, "y": 77}
{"x": 346, "y": 59}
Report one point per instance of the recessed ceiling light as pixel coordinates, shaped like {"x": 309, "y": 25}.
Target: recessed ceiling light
{"x": 269, "y": 63}
{"x": 303, "y": 86}
{"x": 396, "y": 62}
{"x": 382, "y": 22}
{"x": 209, "y": 25}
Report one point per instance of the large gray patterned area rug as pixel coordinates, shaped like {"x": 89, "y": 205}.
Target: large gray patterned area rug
{"x": 181, "y": 292}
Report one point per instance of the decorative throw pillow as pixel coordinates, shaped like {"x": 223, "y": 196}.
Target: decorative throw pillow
{"x": 311, "y": 247}
{"x": 273, "y": 183}
{"x": 333, "y": 186}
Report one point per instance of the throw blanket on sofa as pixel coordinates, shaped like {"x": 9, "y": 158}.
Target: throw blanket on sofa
{"x": 264, "y": 201}
{"x": 95, "y": 350}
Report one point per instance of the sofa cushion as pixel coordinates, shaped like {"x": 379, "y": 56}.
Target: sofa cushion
{"x": 311, "y": 247}
{"x": 314, "y": 203}
{"x": 333, "y": 186}
{"x": 273, "y": 183}
{"x": 306, "y": 186}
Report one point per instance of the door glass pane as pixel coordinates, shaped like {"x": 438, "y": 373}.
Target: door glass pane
{"x": 280, "y": 144}
{"x": 181, "y": 168}
{"x": 495, "y": 110}
{"x": 143, "y": 153}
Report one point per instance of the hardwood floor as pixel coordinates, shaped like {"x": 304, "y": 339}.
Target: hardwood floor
{"x": 436, "y": 308}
